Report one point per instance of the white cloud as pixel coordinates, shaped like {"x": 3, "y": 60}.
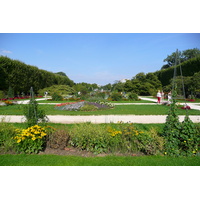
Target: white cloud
{"x": 6, "y": 52}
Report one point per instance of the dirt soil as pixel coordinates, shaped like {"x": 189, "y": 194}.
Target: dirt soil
{"x": 76, "y": 152}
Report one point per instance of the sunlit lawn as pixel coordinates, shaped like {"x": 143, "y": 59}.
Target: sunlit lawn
{"x": 56, "y": 160}
{"x": 118, "y": 110}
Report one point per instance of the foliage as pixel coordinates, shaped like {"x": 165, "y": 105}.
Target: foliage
{"x": 127, "y": 138}
{"x": 2, "y": 94}
{"x": 88, "y": 107}
{"x": 116, "y": 96}
{"x": 56, "y": 97}
{"x": 89, "y": 137}
{"x": 10, "y": 92}
{"x": 131, "y": 139}
{"x": 7, "y": 132}
{"x": 57, "y": 138}
{"x": 189, "y": 68}
{"x": 133, "y": 96}
{"x": 21, "y": 76}
{"x": 189, "y": 138}
{"x": 33, "y": 114}
{"x": 181, "y": 138}
{"x": 30, "y": 140}
{"x": 62, "y": 90}
{"x": 185, "y": 55}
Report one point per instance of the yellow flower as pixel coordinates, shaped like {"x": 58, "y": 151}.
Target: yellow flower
{"x": 33, "y": 138}
{"x": 19, "y": 140}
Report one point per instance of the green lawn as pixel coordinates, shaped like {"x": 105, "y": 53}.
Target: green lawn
{"x": 141, "y": 101}
{"x": 55, "y": 160}
{"x": 118, "y": 110}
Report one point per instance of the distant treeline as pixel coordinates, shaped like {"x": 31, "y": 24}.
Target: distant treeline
{"x": 21, "y": 77}
{"x": 189, "y": 68}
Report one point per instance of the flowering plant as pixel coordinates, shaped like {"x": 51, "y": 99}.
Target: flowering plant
{"x": 30, "y": 140}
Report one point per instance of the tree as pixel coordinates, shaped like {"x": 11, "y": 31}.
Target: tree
{"x": 183, "y": 56}
{"x": 171, "y": 59}
{"x": 61, "y": 73}
{"x": 190, "y": 53}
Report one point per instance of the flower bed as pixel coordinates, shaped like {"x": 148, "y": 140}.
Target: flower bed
{"x": 75, "y": 106}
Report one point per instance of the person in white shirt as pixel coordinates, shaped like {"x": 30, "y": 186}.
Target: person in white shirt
{"x": 158, "y": 96}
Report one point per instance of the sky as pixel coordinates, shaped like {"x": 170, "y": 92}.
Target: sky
{"x": 100, "y": 58}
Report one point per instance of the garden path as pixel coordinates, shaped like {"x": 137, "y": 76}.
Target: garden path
{"x": 68, "y": 119}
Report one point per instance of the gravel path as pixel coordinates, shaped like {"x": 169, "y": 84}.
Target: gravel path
{"x": 68, "y": 119}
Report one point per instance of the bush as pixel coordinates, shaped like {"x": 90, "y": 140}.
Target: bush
{"x": 148, "y": 142}
{"x": 126, "y": 139}
{"x": 88, "y": 107}
{"x": 7, "y": 132}
{"x": 2, "y": 94}
{"x": 33, "y": 114}
{"x": 116, "y": 97}
{"x": 56, "y": 97}
{"x": 90, "y": 137}
{"x": 133, "y": 96}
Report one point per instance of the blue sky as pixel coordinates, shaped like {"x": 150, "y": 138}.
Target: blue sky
{"x": 100, "y": 58}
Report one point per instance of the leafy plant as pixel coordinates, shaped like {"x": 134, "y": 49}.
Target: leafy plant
{"x": 56, "y": 97}
{"x": 33, "y": 114}
{"x": 116, "y": 96}
{"x": 90, "y": 137}
{"x": 7, "y": 132}
{"x": 30, "y": 140}
{"x": 88, "y": 107}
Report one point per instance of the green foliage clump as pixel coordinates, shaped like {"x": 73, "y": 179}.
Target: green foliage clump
{"x": 2, "y": 94}
{"x": 89, "y": 137}
{"x": 62, "y": 90}
{"x": 33, "y": 114}
{"x": 116, "y": 96}
{"x": 7, "y": 132}
{"x": 133, "y": 96}
{"x": 10, "y": 93}
{"x": 125, "y": 139}
{"x": 131, "y": 139}
{"x": 21, "y": 76}
{"x": 182, "y": 139}
{"x": 88, "y": 107}
{"x": 56, "y": 97}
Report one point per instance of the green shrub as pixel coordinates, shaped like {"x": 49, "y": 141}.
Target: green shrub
{"x": 116, "y": 96}
{"x": 2, "y": 94}
{"x": 88, "y": 107}
{"x": 133, "y": 96}
{"x": 90, "y": 137}
{"x": 7, "y": 132}
{"x": 56, "y": 97}
{"x": 182, "y": 139}
{"x": 148, "y": 142}
{"x": 125, "y": 139}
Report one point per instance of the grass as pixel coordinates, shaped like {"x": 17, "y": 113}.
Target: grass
{"x": 48, "y": 101}
{"x": 56, "y": 160}
{"x": 118, "y": 110}
{"x": 144, "y": 127}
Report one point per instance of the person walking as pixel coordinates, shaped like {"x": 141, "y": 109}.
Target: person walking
{"x": 158, "y": 96}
